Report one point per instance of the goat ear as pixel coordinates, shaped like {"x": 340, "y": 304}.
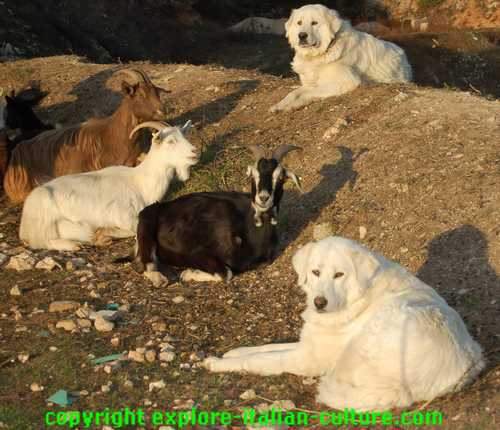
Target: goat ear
{"x": 129, "y": 90}
{"x": 300, "y": 262}
{"x": 290, "y": 175}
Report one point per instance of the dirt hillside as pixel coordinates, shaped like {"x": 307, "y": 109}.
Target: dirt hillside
{"x": 416, "y": 167}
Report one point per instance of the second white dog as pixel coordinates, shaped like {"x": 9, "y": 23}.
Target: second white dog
{"x": 376, "y": 335}
{"x": 332, "y": 58}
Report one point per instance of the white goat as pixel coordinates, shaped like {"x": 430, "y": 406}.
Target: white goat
{"x": 92, "y": 207}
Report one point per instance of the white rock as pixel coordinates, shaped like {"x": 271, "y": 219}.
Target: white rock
{"x": 20, "y": 262}
{"x": 63, "y": 306}
{"x": 115, "y": 341}
{"x": 84, "y": 323}
{"x": 157, "y": 278}
{"x": 322, "y": 230}
{"x": 150, "y": 355}
{"x": 3, "y": 259}
{"x": 136, "y": 356}
{"x": 35, "y": 387}
{"x": 68, "y": 325}
{"x": 157, "y": 385}
{"x": 15, "y": 291}
{"x": 178, "y": 299}
{"x": 167, "y": 356}
{"x": 23, "y": 358}
{"x": 48, "y": 263}
{"x": 128, "y": 384}
{"x": 248, "y": 395}
{"x": 53, "y": 348}
{"x": 362, "y": 232}
{"x": 102, "y": 324}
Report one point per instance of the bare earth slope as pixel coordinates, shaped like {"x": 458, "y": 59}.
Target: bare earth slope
{"x": 418, "y": 168}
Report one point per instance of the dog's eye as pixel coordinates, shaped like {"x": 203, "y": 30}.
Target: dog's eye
{"x": 338, "y": 275}
{"x": 299, "y": 22}
{"x": 314, "y": 23}
{"x": 316, "y": 273}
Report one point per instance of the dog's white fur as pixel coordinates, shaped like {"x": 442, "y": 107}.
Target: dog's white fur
{"x": 335, "y": 58}
{"x": 71, "y": 209}
{"x": 385, "y": 339}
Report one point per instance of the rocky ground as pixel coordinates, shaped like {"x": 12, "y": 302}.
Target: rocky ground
{"x": 410, "y": 171}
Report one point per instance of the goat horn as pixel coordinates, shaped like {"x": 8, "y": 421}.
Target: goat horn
{"x": 157, "y": 125}
{"x": 280, "y": 152}
{"x": 136, "y": 74}
{"x": 257, "y": 151}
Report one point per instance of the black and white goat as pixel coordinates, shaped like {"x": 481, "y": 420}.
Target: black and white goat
{"x": 215, "y": 234}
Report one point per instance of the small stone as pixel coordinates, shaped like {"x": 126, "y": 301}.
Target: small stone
{"x": 84, "y": 323}
{"x": 23, "y": 358}
{"x": 75, "y": 263}
{"x": 362, "y": 232}
{"x": 178, "y": 299}
{"x": 463, "y": 291}
{"x": 147, "y": 402}
{"x": 15, "y": 291}
{"x": 158, "y": 279}
{"x": 150, "y": 355}
{"x": 21, "y": 262}
{"x": 159, "y": 326}
{"x": 128, "y": 384}
{"x": 158, "y": 385}
{"x": 196, "y": 356}
{"x": 106, "y": 388}
{"x": 403, "y": 250}
{"x": 68, "y": 325}
{"x": 248, "y": 395}
{"x": 3, "y": 259}
{"x": 35, "y": 387}
{"x": 108, "y": 369}
{"x": 53, "y": 348}
{"x": 167, "y": 356}
{"x": 63, "y": 306}
{"x": 102, "y": 324}
{"x": 115, "y": 341}
{"x": 136, "y": 356}
{"x": 320, "y": 231}
{"x": 48, "y": 263}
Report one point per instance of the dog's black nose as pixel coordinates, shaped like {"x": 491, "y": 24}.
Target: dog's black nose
{"x": 320, "y": 302}
{"x": 302, "y": 35}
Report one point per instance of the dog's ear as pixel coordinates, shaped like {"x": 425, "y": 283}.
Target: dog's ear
{"x": 333, "y": 19}
{"x": 289, "y": 22}
{"x": 300, "y": 262}
{"x": 365, "y": 265}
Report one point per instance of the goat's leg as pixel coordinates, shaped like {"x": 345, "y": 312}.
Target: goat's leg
{"x": 75, "y": 231}
{"x": 207, "y": 269}
{"x": 295, "y": 360}
{"x": 271, "y": 347}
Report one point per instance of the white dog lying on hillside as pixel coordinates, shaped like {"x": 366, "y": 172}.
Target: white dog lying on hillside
{"x": 332, "y": 58}
{"x": 378, "y": 337}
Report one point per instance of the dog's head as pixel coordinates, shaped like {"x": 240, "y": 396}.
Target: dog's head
{"x": 334, "y": 273}
{"x": 312, "y": 28}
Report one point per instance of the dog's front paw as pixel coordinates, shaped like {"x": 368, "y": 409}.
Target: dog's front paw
{"x": 213, "y": 364}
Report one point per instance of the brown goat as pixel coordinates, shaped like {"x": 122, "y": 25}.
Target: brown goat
{"x": 91, "y": 145}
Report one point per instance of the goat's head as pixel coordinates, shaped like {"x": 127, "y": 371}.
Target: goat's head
{"x": 19, "y": 114}
{"x": 143, "y": 95}
{"x": 170, "y": 146}
{"x": 269, "y": 175}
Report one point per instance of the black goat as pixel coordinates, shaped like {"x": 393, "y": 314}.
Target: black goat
{"x": 216, "y": 233}
{"x": 19, "y": 114}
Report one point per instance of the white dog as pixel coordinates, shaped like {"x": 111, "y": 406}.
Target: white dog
{"x": 378, "y": 337}
{"x": 332, "y": 58}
